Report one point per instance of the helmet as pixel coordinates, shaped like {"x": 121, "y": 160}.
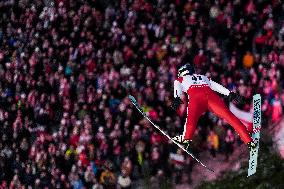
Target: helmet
{"x": 186, "y": 69}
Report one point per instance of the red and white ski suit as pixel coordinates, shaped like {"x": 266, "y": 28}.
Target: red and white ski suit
{"x": 202, "y": 97}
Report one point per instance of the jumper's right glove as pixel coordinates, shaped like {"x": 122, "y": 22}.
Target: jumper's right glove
{"x": 236, "y": 97}
{"x": 177, "y": 101}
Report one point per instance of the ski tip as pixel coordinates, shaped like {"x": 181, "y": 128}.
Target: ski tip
{"x": 256, "y": 96}
{"x": 131, "y": 98}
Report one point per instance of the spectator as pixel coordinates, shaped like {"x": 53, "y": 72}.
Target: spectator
{"x": 200, "y": 59}
{"x": 97, "y": 186}
{"x": 213, "y": 143}
{"x": 77, "y": 182}
{"x": 127, "y": 166}
{"x": 15, "y": 183}
{"x": 107, "y": 179}
{"x": 248, "y": 60}
{"x": 276, "y": 109}
{"x": 229, "y": 143}
{"x": 178, "y": 162}
{"x": 124, "y": 181}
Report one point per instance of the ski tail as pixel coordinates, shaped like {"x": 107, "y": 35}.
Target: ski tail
{"x": 135, "y": 103}
{"x": 256, "y": 134}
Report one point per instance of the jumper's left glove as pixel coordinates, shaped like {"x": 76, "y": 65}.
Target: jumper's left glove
{"x": 177, "y": 101}
{"x": 236, "y": 97}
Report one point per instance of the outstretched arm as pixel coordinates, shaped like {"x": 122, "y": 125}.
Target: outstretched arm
{"x": 223, "y": 90}
{"x": 219, "y": 88}
{"x": 177, "y": 89}
{"x": 177, "y": 95}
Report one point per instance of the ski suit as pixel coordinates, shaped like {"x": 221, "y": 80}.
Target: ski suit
{"x": 202, "y": 97}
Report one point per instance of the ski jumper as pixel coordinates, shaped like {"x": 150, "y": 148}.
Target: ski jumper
{"x": 202, "y": 97}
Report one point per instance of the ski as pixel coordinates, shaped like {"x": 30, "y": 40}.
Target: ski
{"x": 138, "y": 107}
{"x": 256, "y": 133}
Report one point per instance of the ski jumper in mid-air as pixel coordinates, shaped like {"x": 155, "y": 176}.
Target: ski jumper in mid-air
{"x": 202, "y": 96}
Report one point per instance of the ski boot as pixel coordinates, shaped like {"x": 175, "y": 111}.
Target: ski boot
{"x": 252, "y": 145}
{"x": 179, "y": 139}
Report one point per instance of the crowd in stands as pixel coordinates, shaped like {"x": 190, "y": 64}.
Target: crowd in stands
{"x": 67, "y": 67}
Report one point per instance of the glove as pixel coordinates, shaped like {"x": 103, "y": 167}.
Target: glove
{"x": 177, "y": 101}
{"x": 236, "y": 97}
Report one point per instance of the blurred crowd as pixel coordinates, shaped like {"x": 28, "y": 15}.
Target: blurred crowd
{"x": 67, "y": 67}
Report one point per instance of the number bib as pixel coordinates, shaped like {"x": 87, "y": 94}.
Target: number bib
{"x": 194, "y": 80}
